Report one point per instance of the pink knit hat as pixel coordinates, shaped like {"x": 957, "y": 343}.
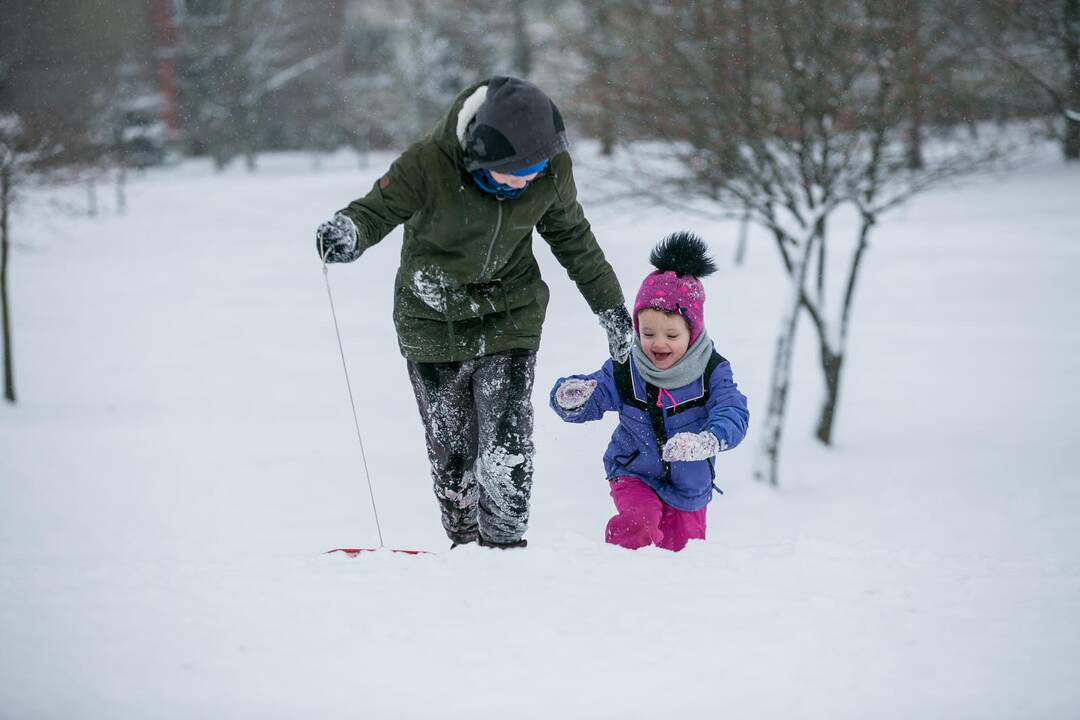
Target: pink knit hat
{"x": 681, "y": 259}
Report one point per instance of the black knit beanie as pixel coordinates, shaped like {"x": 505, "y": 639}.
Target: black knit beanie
{"x": 516, "y": 126}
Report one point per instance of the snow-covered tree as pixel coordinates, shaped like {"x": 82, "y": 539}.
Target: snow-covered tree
{"x": 407, "y": 60}
{"x": 233, "y": 59}
{"x": 794, "y": 113}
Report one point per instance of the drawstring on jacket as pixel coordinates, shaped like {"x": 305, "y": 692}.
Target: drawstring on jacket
{"x": 659, "y": 398}
{"x": 555, "y": 182}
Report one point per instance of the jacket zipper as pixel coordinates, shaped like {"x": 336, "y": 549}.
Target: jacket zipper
{"x": 491, "y": 245}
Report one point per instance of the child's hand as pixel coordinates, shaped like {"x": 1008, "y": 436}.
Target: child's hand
{"x": 574, "y": 393}
{"x": 692, "y": 446}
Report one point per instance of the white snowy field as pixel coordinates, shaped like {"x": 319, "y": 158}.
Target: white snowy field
{"x": 183, "y": 452}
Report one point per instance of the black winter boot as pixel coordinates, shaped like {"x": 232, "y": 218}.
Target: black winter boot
{"x": 503, "y": 546}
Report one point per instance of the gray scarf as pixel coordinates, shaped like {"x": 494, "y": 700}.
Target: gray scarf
{"x": 690, "y": 367}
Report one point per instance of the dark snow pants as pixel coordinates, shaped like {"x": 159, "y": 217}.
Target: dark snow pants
{"x": 478, "y": 422}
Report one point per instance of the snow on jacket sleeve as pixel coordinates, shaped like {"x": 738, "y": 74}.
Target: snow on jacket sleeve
{"x": 728, "y": 414}
{"x": 395, "y": 197}
{"x": 605, "y": 397}
{"x": 570, "y": 236}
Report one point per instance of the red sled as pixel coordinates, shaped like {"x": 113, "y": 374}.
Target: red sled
{"x": 353, "y": 552}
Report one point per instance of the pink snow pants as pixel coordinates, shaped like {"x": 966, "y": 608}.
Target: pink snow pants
{"x": 644, "y": 519}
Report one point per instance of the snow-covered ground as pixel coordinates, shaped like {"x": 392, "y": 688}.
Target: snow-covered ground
{"x": 183, "y": 451}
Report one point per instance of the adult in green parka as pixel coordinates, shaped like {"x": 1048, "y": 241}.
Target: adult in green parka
{"x": 469, "y": 302}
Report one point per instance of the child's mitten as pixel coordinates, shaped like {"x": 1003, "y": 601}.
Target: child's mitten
{"x": 336, "y": 240}
{"x": 574, "y": 393}
{"x": 692, "y": 446}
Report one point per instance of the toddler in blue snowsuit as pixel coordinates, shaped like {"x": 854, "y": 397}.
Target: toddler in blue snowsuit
{"x": 677, "y": 402}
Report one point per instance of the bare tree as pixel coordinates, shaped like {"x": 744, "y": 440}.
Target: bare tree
{"x": 797, "y": 113}
{"x": 406, "y": 61}
{"x": 914, "y": 79}
{"x": 523, "y": 50}
{"x": 593, "y": 39}
{"x": 234, "y": 58}
{"x": 18, "y": 160}
{"x": 10, "y": 130}
{"x": 1071, "y": 46}
{"x": 1034, "y": 45}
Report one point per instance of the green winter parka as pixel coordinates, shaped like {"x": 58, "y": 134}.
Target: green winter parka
{"x": 468, "y": 284}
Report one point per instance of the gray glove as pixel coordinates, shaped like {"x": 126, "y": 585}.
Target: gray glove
{"x": 336, "y": 240}
{"x": 692, "y": 446}
{"x": 620, "y": 331}
{"x": 574, "y": 393}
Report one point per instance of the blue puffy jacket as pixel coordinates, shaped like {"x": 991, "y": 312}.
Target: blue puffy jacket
{"x": 648, "y": 416}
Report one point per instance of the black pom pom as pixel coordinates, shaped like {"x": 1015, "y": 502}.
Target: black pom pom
{"x": 684, "y": 253}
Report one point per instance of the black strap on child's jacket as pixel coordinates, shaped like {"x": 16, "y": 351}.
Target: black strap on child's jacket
{"x": 624, "y": 383}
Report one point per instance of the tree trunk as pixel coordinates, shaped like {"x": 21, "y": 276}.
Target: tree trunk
{"x": 91, "y": 197}
{"x": 744, "y": 231}
{"x": 250, "y": 142}
{"x": 522, "y": 41}
{"x": 768, "y": 465}
{"x": 221, "y": 158}
{"x": 1072, "y": 140}
{"x": 832, "y": 364}
{"x": 832, "y": 361}
{"x": 363, "y": 147}
{"x": 121, "y": 189}
{"x": 914, "y": 89}
{"x": 1072, "y": 94}
{"x": 602, "y": 50}
{"x": 9, "y": 360}
{"x": 819, "y": 233}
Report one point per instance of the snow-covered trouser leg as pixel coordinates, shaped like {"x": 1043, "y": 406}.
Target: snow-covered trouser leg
{"x": 502, "y": 388}
{"x": 478, "y": 424}
{"x": 444, "y": 398}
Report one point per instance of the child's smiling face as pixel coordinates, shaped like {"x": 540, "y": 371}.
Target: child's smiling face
{"x": 664, "y": 337}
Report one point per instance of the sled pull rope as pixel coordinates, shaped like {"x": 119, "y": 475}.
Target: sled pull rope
{"x": 352, "y": 402}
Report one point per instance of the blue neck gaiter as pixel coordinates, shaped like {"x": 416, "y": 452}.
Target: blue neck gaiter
{"x": 488, "y": 184}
